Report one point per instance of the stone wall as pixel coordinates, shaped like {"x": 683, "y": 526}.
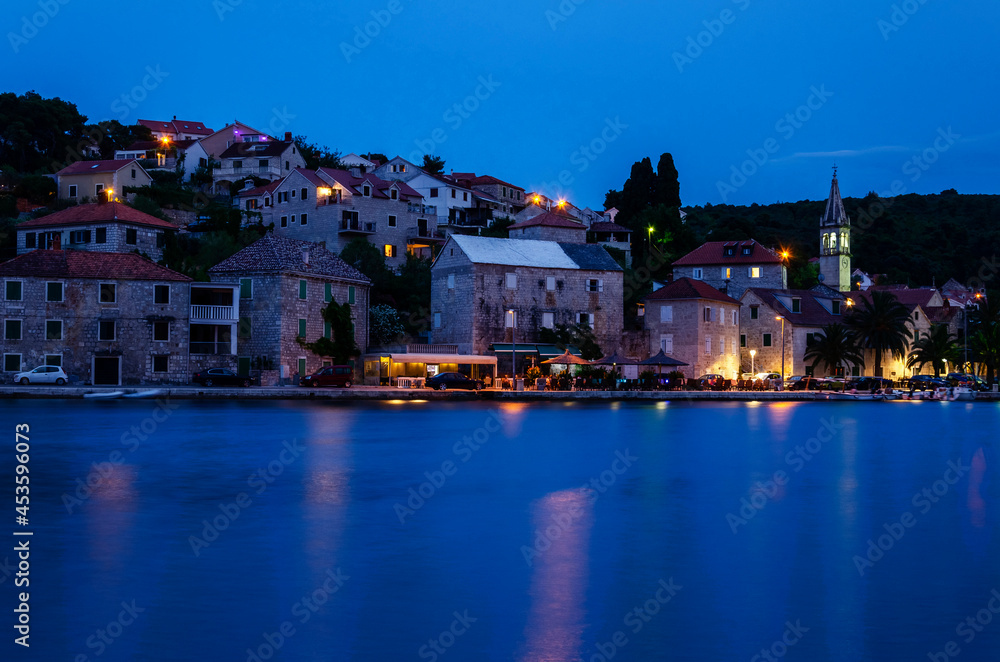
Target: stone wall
{"x": 691, "y": 333}
{"x": 146, "y": 238}
{"x": 772, "y": 276}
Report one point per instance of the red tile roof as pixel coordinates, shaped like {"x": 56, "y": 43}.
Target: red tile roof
{"x": 347, "y": 180}
{"x": 549, "y": 219}
{"x": 177, "y": 126}
{"x": 713, "y": 252}
{"x": 98, "y": 213}
{"x": 607, "y": 226}
{"x": 812, "y": 312}
{"x": 89, "y": 167}
{"x": 262, "y": 190}
{"x": 88, "y": 264}
{"x": 689, "y": 288}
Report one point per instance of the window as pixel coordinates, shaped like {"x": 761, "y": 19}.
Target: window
{"x": 548, "y": 320}
{"x": 366, "y": 191}
{"x": 293, "y": 218}
{"x": 835, "y": 305}
{"x": 246, "y": 288}
{"x": 733, "y": 347}
{"x": 666, "y": 314}
{"x": 161, "y": 363}
{"x": 101, "y": 236}
{"x": 304, "y": 219}
{"x": 53, "y": 329}
{"x": 454, "y": 193}
{"x": 350, "y": 295}
{"x": 244, "y": 329}
{"x": 161, "y": 240}
{"x": 29, "y": 240}
{"x": 262, "y": 164}
{"x": 108, "y": 292}
{"x": 743, "y": 340}
{"x": 585, "y": 319}
{"x": 708, "y": 344}
{"x": 390, "y": 250}
{"x": 98, "y": 188}
{"x": 13, "y": 290}
{"x": 284, "y": 221}
{"x": 72, "y": 190}
{"x": 767, "y": 340}
{"x": 12, "y": 362}
{"x": 106, "y": 330}
{"x": 722, "y": 346}
{"x": 237, "y": 165}
{"x": 754, "y": 312}
{"x": 161, "y": 331}
{"x": 697, "y": 274}
{"x": 727, "y": 273}
{"x": 510, "y": 319}
{"x": 722, "y": 316}
{"x": 729, "y": 251}
{"x": 437, "y": 320}
{"x": 327, "y": 330}
{"x": 747, "y": 250}
{"x": 667, "y": 343}
{"x": 707, "y": 314}
{"x": 131, "y": 236}
{"x": 302, "y": 328}
{"x": 53, "y": 291}
{"x": 754, "y": 272}
{"x": 809, "y": 371}
{"x": 12, "y": 329}
{"x": 304, "y": 194}
{"x": 327, "y": 292}
{"x": 735, "y": 317}
{"x": 796, "y": 305}
{"x": 161, "y": 294}
{"x": 393, "y": 194}
{"x": 434, "y": 193}
{"x": 595, "y": 285}
{"x": 451, "y": 281}
{"x": 550, "y": 283}
{"x": 293, "y": 193}
{"x": 79, "y": 237}
{"x": 465, "y": 196}
{"x": 511, "y": 281}
{"x": 133, "y": 173}
{"x": 53, "y": 359}
{"x": 303, "y": 289}
{"x": 392, "y": 221}
{"x": 287, "y": 164}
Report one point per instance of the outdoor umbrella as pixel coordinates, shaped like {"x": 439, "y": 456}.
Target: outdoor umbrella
{"x": 614, "y": 361}
{"x": 661, "y": 360}
{"x": 567, "y": 359}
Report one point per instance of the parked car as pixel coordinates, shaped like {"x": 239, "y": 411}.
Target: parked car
{"x": 792, "y": 381}
{"x": 43, "y": 374}
{"x": 221, "y": 377}
{"x": 810, "y": 384}
{"x": 926, "y": 383}
{"x": 331, "y": 375}
{"x": 869, "y": 384}
{"x": 447, "y": 380}
{"x": 969, "y": 381}
{"x": 709, "y": 380}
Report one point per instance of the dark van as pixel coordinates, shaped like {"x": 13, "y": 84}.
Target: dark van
{"x": 331, "y": 375}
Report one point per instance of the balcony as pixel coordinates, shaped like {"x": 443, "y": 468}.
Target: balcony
{"x": 416, "y": 208}
{"x": 423, "y": 235}
{"x": 263, "y": 172}
{"x": 213, "y": 314}
{"x": 356, "y": 227}
{"x": 212, "y": 348}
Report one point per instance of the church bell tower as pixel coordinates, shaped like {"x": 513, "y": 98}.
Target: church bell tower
{"x": 835, "y": 242}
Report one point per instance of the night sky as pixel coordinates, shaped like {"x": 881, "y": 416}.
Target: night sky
{"x": 538, "y": 91}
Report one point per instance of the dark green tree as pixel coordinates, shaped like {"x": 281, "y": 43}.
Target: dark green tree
{"x": 879, "y": 324}
{"x": 579, "y": 336}
{"x": 835, "y": 348}
{"x": 340, "y": 346}
{"x": 316, "y": 156}
{"x": 39, "y": 134}
{"x": 433, "y": 164}
{"x": 937, "y": 348}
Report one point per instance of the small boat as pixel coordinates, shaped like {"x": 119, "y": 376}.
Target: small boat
{"x": 151, "y": 393}
{"x": 104, "y": 395}
{"x": 856, "y": 396}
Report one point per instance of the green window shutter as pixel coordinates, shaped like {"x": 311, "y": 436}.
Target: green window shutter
{"x": 327, "y": 330}
{"x": 246, "y": 288}
{"x": 350, "y": 295}
{"x": 328, "y": 294}
{"x": 302, "y": 289}
{"x": 302, "y": 328}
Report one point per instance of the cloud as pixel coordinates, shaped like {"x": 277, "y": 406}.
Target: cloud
{"x": 845, "y": 153}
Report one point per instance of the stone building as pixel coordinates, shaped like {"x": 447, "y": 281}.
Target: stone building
{"x": 284, "y": 284}
{"x": 88, "y": 180}
{"x": 835, "y": 242}
{"x": 108, "y": 227}
{"x": 336, "y": 206}
{"x": 694, "y": 322}
{"x": 511, "y": 199}
{"x": 477, "y": 281}
{"x": 733, "y": 266}
{"x": 264, "y": 159}
{"x": 550, "y": 226}
{"x": 106, "y": 318}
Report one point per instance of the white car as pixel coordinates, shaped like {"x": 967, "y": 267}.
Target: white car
{"x": 43, "y": 374}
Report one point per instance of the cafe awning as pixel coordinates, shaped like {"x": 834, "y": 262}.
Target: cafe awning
{"x": 543, "y": 351}
{"x": 437, "y": 359}
{"x": 505, "y": 348}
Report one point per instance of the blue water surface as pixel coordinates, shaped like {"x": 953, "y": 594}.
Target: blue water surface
{"x": 310, "y": 531}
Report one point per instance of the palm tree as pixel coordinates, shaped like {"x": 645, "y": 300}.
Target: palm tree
{"x": 834, "y": 348}
{"x": 880, "y": 324}
{"x": 937, "y": 348}
{"x": 986, "y": 345}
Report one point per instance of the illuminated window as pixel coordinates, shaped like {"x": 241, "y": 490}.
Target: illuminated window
{"x": 390, "y": 250}
{"x": 755, "y": 272}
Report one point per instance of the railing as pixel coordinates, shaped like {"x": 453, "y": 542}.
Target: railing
{"x": 416, "y": 208}
{"x": 415, "y": 233}
{"x": 214, "y": 348}
{"x": 213, "y": 313}
{"x": 255, "y": 170}
{"x": 357, "y": 226}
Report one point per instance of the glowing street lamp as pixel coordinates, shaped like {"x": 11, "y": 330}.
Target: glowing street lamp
{"x": 782, "y": 348}
{"x": 753, "y": 353}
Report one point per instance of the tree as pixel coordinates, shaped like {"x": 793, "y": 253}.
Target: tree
{"x": 384, "y": 326}
{"x": 366, "y": 258}
{"x": 316, "y": 156}
{"x": 112, "y": 135}
{"x": 880, "y": 324}
{"x": 581, "y": 337}
{"x": 498, "y": 228}
{"x": 433, "y": 164}
{"x": 937, "y": 348}
{"x": 986, "y": 345}
{"x": 340, "y": 346}
{"x": 38, "y": 189}
{"x": 834, "y": 348}
{"x": 38, "y": 134}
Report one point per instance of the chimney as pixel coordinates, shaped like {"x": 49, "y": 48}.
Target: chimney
{"x": 175, "y": 117}
{"x": 288, "y": 136}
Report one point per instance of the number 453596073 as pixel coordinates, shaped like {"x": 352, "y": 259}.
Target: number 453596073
{"x": 22, "y": 491}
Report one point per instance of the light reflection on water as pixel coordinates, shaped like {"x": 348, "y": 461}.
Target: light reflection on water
{"x": 333, "y": 506}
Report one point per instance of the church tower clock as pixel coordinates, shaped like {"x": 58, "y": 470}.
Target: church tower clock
{"x": 835, "y": 242}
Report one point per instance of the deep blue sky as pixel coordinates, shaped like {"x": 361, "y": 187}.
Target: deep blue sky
{"x": 561, "y": 79}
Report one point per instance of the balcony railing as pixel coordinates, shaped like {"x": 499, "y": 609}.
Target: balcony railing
{"x": 212, "y": 348}
{"x": 246, "y": 170}
{"x": 359, "y": 227}
{"x": 416, "y": 208}
{"x": 213, "y": 313}
{"x": 424, "y": 233}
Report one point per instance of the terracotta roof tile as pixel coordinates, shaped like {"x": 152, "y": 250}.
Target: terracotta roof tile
{"x": 549, "y": 219}
{"x": 90, "y": 167}
{"x": 274, "y": 253}
{"x": 689, "y": 288}
{"x": 97, "y": 213}
{"x": 713, "y": 252}
{"x": 88, "y": 264}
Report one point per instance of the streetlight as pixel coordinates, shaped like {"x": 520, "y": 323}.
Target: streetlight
{"x": 649, "y": 239}
{"x": 753, "y": 353}
{"x": 965, "y": 316}
{"x": 782, "y": 349}
{"x": 513, "y": 347}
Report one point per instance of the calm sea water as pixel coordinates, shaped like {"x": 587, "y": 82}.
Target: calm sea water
{"x": 287, "y": 531}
